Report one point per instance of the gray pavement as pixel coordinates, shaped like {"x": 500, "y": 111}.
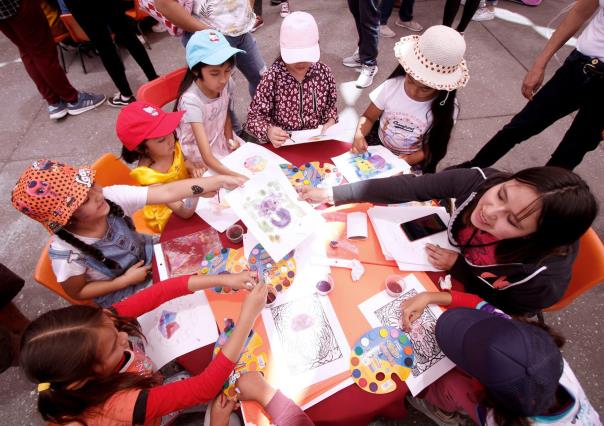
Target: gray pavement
{"x": 499, "y": 53}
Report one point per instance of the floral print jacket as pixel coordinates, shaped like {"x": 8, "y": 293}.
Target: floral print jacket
{"x": 283, "y": 101}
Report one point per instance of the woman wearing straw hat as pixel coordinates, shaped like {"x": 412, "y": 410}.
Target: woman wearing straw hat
{"x": 413, "y": 112}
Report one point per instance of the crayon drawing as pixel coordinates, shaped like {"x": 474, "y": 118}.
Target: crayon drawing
{"x": 376, "y": 162}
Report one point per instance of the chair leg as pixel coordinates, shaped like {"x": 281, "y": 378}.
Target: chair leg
{"x": 540, "y": 318}
{"x": 82, "y": 59}
{"x": 62, "y": 57}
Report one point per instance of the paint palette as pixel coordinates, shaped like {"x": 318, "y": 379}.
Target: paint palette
{"x": 280, "y": 275}
{"x": 379, "y": 354}
{"x": 252, "y": 358}
{"x": 224, "y": 261}
{"x": 313, "y": 174}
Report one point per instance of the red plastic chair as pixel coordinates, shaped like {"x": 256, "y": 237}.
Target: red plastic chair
{"x": 162, "y": 90}
{"x": 112, "y": 172}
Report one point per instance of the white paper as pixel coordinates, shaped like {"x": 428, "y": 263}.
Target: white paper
{"x": 377, "y": 162}
{"x": 430, "y": 362}
{"x": 250, "y": 159}
{"x": 269, "y": 207}
{"x": 188, "y": 324}
{"x": 341, "y": 131}
{"x": 332, "y": 391}
{"x": 307, "y": 342}
{"x": 395, "y": 245}
{"x": 216, "y": 212}
{"x": 356, "y": 226}
{"x": 160, "y": 261}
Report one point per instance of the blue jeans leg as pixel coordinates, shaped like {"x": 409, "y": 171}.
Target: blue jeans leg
{"x": 250, "y": 63}
{"x": 367, "y": 19}
{"x": 405, "y": 13}
{"x": 385, "y": 11}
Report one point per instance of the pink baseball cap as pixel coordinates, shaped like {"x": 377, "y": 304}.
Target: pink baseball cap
{"x": 299, "y": 38}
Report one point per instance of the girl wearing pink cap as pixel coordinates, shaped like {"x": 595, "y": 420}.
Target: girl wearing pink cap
{"x": 297, "y": 92}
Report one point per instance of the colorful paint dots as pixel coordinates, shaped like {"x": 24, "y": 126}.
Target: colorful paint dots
{"x": 362, "y": 382}
{"x": 383, "y": 332}
{"x": 358, "y": 350}
{"x": 365, "y": 341}
{"x": 373, "y": 387}
{"x": 279, "y": 275}
{"x": 380, "y": 376}
{"x": 356, "y": 373}
{"x": 354, "y": 361}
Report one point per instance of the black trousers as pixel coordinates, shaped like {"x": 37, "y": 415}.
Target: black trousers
{"x": 451, "y": 8}
{"x": 98, "y": 20}
{"x": 367, "y": 19}
{"x": 577, "y": 85}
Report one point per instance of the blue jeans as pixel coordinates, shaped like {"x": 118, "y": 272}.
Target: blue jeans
{"x": 405, "y": 13}
{"x": 367, "y": 19}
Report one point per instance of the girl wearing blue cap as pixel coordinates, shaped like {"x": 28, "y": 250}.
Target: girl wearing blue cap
{"x": 205, "y": 131}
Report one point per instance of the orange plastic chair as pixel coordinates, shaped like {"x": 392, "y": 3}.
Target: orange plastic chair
{"x": 78, "y": 35}
{"x": 137, "y": 14}
{"x": 162, "y": 90}
{"x": 112, "y": 171}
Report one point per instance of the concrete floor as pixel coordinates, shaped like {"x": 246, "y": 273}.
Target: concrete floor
{"x": 498, "y": 55}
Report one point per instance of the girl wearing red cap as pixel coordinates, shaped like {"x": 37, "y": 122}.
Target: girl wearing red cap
{"x": 148, "y": 137}
{"x": 96, "y": 252}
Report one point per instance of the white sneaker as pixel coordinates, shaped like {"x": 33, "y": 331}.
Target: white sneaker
{"x": 284, "y": 9}
{"x": 385, "y": 31}
{"x": 353, "y": 61}
{"x": 483, "y": 14}
{"x": 366, "y": 77}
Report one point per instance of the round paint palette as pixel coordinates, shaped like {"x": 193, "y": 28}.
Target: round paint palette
{"x": 280, "y": 275}
{"x": 379, "y": 354}
{"x": 224, "y": 261}
{"x": 252, "y": 358}
{"x": 313, "y": 174}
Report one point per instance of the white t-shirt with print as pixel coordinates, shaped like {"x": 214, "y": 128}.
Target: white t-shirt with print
{"x": 130, "y": 199}
{"x": 230, "y": 17}
{"x": 404, "y": 122}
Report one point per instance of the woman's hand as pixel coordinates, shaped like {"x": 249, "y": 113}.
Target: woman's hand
{"x": 359, "y": 145}
{"x": 412, "y": 309}
{"x": 243, "y": 280}
{"x": 312, "y": 195}
{"x": 441, "y": 258}
{"x": 221, "y": 410}
{"x": 277, "y": 136}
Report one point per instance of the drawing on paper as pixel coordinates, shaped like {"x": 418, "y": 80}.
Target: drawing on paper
{"x": 280, "y": 274}
{"x": 313, "y": 174}
{"x": 183, "y": 254}
{"x": 167, "y": 324}
{"x": 255, "y": 163}
{"x": 368, "y": 165}
{"x": 306, "y": 334}
{"x": 427, "y": 351}
{"x": 225, "y": 261}
{"x": 272, "y": 210}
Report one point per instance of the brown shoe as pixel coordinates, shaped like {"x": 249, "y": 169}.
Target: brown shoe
{"x": 258, "y": 24}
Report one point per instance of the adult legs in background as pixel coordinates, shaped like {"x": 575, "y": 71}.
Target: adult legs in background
{"x": 251, "y": 63}
{"x": 367, "y": 20}
{"x": 451, "y": 8}
{"x": 258, "y": 12}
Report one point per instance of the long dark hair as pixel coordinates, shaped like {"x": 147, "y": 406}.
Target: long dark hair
{"x": 439, "y": 133}
{"x": 567, "y": 210}
{"x": 61, "y": 348}
{"x": 193, "y": 74}
{"x": 89, "y": 250}
{"x": 131, "y": 157}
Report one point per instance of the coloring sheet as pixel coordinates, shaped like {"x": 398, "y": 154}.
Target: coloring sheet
{"x": 377, "y": 162}
{"x": 216, "y": 212}
{"x": 177, "y": 327}
{"x": 341, "y": 131}
{"x": 269, "y": 207}
{"x": 306, "y": 340}
{"x": 250, "y": 159}
{"x": 430, "y": 362}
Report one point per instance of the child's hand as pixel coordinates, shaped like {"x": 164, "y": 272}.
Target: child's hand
{"x": 198, "y": 172}
{"x": 233, "y": 181}
{"x": 254, "y": 303}
{"x": 253, "y": 387}
{"x": 359, "y": 145}
{"x": 441, "y": 258}
{"x": 312, "y": 195}
{"x": 137, "y": 273}
{"x": 412, "y": 309}
{"x": 233, "y": 144}
{"x": 327, "y": 125}
{"x": 277, "y": 136}
{"x": 243, "y": 280}
{"x": 221, "y": 410}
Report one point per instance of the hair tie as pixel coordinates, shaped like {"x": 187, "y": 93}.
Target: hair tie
{"x": 43, "y": 386}
{"x": 444, "y": 101}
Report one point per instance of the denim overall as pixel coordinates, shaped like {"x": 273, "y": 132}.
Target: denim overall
{"x": 120, "y": 244}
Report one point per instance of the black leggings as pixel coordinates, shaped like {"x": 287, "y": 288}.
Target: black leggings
{"x": 451, "y": 8}
{"x": 98, "y": 20}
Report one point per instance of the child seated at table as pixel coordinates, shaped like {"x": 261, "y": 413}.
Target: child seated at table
{"x": 509, "y": 372}
{"x": 91, "y": 370}
{"x": 205, "y": 131}
{"x": 297, "y": 92}
{"x": 517, "y": 233}
{"x": 147, "y": 136}
{"x": 96, "y": 253}
{"x": 412, "y": 113}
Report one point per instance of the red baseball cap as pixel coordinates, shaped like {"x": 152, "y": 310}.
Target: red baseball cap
{"x": 140, "y": 121}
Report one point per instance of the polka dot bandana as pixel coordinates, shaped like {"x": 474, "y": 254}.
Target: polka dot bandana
{"x": 50, "y": 191}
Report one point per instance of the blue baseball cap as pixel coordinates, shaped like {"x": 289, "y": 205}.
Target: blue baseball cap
{"x": 209, "y": 47}
{"x": 519, "y": 364}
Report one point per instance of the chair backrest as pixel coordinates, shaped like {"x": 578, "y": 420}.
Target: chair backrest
{"x": 588, "y": 269}
{"x": 110, "y": 171}
{"x": 76, "y": 32}
{"x": 162, "y": 90}
{"x": 137, "y": 13}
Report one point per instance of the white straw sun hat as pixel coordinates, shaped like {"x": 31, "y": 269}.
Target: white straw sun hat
{"x": 435, "y": 58}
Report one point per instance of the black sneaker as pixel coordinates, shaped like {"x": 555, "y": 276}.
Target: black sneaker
{"x": 118, "y": 100}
